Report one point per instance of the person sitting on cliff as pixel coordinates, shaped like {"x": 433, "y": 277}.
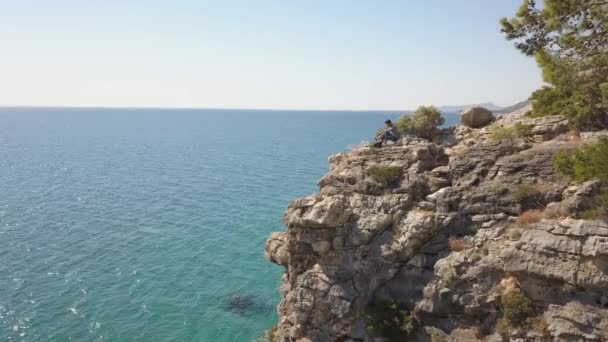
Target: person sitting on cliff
{"x": 388, "y": 133}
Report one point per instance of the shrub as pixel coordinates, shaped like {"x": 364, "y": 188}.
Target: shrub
{"x": 594, "y": 214}
{"x": 529, "y": 196}
{"x": 503, "y": 328}
{"x": 530, "y": 216}
{"x": 547, "y": 101}
{"x": 390, "y": 320}
{"x": 385, "y": 175}
{"x": 424, "y": 123}
{"x": 564, "y": 164}
{"x": 510, "y": 133}
{"x": 536, "y": 324}
{"x": 599, "y": 207}
{"x": 586, "y": 163}
{"x": 578, "y": 103}
{"x": 516, "y": 308}
{"x": 411, "y": 321}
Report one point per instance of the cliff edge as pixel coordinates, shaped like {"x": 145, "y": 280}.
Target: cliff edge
{"x": 471, "y": 240}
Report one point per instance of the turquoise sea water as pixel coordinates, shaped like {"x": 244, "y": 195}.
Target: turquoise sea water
{"x": 149, "y": 225}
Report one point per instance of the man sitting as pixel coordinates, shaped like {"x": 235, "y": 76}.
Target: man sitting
{"x": 389, "y": 133}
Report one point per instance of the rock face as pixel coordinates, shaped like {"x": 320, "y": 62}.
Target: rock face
{"x": 561, "y": 266}
{"x": 476, "y": 117}
{"x": 510, "y": 118}
{"x": 361, "y": 241}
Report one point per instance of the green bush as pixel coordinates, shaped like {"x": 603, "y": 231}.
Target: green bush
{"x": 516, "y": 308}
{"x": 385, "y": 175}
{"x": 536, "y": 324}
{"x": 391, "y": 321}
{"x": 510, "y": 133}
{"x": 518, "y": 314}
{"x": 564, "y": 163}
{"x": 547, "y": 101}
{"x": 523, "y": 131}
{"x": 599, "y": 207}
{"x": 586, "y": 163}
{"x": 503, "y": 328}
{"x": 528, "y": 196}
{"x": 577, "y": 102}
{"x": 424, "y": 123}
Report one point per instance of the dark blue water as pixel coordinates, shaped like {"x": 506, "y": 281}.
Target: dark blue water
{"x": 149, "y": 225}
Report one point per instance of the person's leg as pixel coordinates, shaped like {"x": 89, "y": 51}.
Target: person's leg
{"x": 383, "y": 138}
{"x": 380, "y": 140}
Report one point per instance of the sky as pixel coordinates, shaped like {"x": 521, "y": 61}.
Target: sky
{"x": 328, "y": 54}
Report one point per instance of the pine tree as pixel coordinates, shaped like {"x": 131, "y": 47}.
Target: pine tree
{"x": 569, "y": 39}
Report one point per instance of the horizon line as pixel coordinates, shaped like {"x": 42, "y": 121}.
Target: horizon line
{"x": 197, "y": 108}
{"x": 2, "y": 106}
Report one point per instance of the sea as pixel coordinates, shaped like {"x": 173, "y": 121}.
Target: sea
{"x": 149, "y": 224}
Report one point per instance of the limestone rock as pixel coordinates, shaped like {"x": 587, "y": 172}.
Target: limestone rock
{"x": 550, "y": 257}
{"x": 349, "y": 173}
{"x": 276, "y": 248}
{"x": 445, "y": 240}
{"x": 330, "y": 211}
{"x": 512, "y": 117}
{"x": 548, "y": 126}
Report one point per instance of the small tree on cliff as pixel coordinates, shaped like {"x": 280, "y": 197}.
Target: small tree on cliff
{"x": 424, "y": 123}
{"x": 569, "y": 39}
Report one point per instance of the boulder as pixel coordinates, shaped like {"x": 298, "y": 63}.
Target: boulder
{"x": 476, "y": 117}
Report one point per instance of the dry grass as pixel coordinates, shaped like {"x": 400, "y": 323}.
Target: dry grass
{"x": 530, "y": 216}
{"x": 457, "y": 244}
{"x": 509, "y": 284}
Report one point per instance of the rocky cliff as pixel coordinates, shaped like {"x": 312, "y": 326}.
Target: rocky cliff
{"x": 468, "y": 224}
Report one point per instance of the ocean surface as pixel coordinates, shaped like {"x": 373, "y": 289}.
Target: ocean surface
{"x": 149, "y": 225}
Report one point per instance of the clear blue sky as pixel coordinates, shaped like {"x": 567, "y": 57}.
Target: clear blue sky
{"x": 260, "y": 54}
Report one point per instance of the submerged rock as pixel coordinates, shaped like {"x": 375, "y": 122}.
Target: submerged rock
{"x": 243, "y": 304}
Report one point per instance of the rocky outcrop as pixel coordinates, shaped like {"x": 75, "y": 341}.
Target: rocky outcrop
{"x": 547, "y": 126}
{"x": 342, "y": 245}
{"x": 476, "y": 117}
{"x": 561, "y": 265}
{"x": 445, "y": 241}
